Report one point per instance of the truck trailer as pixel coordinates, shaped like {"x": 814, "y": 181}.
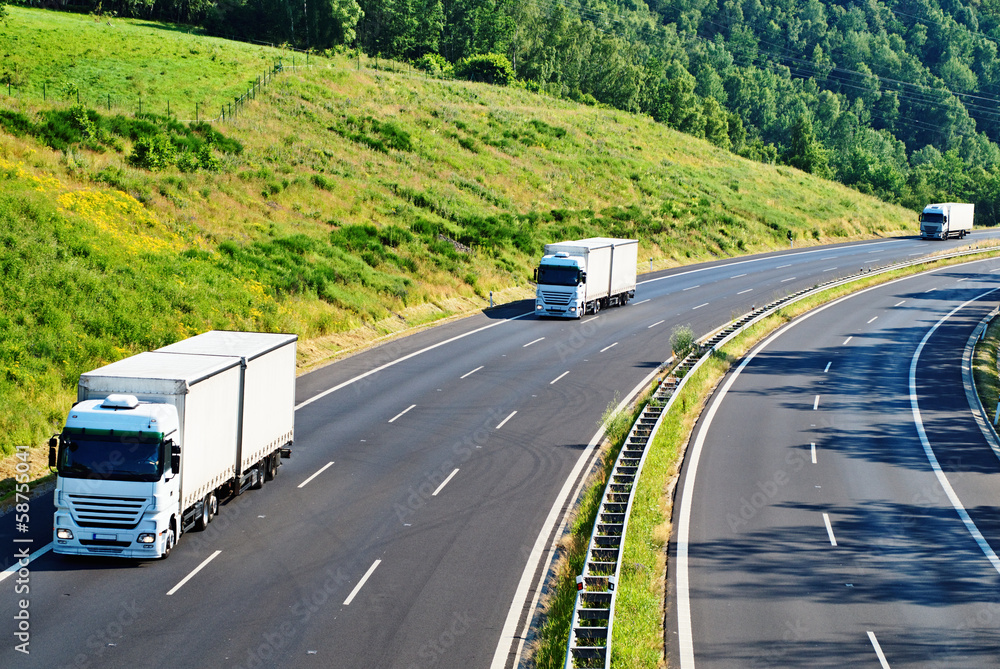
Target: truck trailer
{"x": 946, "y": 219}
{"x": 156, "y": 440}
{"x": 584, "y": 276}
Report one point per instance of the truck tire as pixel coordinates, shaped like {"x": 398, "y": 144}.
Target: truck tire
{"x": 208, "y": 508}
{"x": 259, "y": 474}
{"x": 272, "y": 466}
{"x": 169, "y": 542}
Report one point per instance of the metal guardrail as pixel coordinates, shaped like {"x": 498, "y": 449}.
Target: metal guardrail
{"x": 594, "y": 611}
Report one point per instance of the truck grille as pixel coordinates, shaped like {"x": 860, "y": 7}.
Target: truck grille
{"x": 106, "y": 512}
{"x": 561, "y": 299}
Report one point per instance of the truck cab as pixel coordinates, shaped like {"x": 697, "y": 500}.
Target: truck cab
{"x": 117, "y": 488}
{"x": 561, "y": 279}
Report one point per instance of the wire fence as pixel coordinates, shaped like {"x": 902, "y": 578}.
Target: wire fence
{"x": 73, "y": 93}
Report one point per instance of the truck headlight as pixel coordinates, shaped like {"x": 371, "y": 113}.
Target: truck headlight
{"x": 146, "y": 538}
{"x": 539, "y": 307}
{"x": 62, "y": 533}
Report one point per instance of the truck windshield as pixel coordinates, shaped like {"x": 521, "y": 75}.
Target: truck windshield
{"x": 934, "y": 217}
{"x": 111, "y": 458}
{"x": 558, "y": 275}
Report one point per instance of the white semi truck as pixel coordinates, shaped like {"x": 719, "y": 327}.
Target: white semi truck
{"x": 156, "y": 440}
{"x": 946, "y": 219}
{"x": 584, "y": 276}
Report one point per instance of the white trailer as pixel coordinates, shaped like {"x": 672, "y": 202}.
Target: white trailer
{"x": 579, "y": 277}
{"x": 946, "y": 219}
{"x": 155, "y": 440}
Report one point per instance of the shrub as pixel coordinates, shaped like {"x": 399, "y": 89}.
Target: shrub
{"x": 681, "y": 340}
{"x": 152, "y": 153}
{"x": 490, "y": 68}
{"x": 435, "y": 65}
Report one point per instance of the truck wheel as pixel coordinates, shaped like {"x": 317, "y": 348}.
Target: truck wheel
{"x": 168, "y": 543}
{"x": 272, "y": 466}
{"x": 258, "y": 477}
{"x": 207, "y": 512}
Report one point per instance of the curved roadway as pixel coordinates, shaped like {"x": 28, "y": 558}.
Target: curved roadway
{"x": 838, "y": 506}
{"x": 416, "y": 516}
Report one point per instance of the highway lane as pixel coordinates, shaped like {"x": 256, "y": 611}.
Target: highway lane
{"x": 358, "y": 562}
{"x": 816, "y": 532}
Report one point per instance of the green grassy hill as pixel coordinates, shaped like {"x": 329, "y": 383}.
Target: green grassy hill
{"x": 345, "y": 202}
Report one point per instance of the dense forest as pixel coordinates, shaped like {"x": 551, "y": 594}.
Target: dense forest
{"x": 897, "y": 99}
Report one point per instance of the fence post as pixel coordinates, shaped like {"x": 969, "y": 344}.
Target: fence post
{"x": 77, "y": 94}
{"x": 109, "y": 103}
{"x": 196, "y": 112}
{"x": 223, "y": 112}
{"x": 43, "y": 92}
{"x": 168, "y": 108}
{"x": 140, "y": 104}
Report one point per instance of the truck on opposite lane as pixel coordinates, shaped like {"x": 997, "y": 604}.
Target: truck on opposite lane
{"x": 157, "y": 439}
{"x": 584, "y": 276}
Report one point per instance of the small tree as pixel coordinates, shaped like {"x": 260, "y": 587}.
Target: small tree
{"x": 490, "y": 68}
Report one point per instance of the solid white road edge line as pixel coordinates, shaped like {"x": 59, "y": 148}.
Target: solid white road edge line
{"x": 540, "y": 555}
{"x": 444, "y": 483}
{"x": 970, "y": 526}
{"x": 829, "y": 529}
{"x": 361, "y": 583}
{"x": 401, "y": 413}
{"x": 321, "y": 470}
{"x": 878, "y": 650}
{"x": 389, "y": 364}
{"x": 193, "y": 572}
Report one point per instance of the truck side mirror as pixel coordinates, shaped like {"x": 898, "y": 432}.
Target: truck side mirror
{"x": 534, "y": 275}
{"x": 175, "y": 458}
{"x": 583, "y": 277}
{"x": 53, "y": 449}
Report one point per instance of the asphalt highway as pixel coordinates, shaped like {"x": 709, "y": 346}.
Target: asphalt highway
{"x": 412, "y": 524}
{"x": 838, "y": 504}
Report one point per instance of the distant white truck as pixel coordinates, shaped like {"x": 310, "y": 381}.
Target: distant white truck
{"x": 946, "y": 219}
{"x": 584, "y": 276}
{"x": 157, "y": 439}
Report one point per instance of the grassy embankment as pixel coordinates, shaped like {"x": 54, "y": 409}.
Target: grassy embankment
{"x": 344, "y": 204}
{"x": 639, "y": 620}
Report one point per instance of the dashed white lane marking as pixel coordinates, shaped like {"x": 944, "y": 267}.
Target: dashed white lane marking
{"x": 401, "y": 413}
{"x": 321, "y": 470}
{"x": 472, "y": 372}
{"x": 444, "y": 483}
{"x": 361, "y": 583}
{"x": 504, "y": 421}
{"x": 829, "y": 529}
{"x": 193, "y": 572}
